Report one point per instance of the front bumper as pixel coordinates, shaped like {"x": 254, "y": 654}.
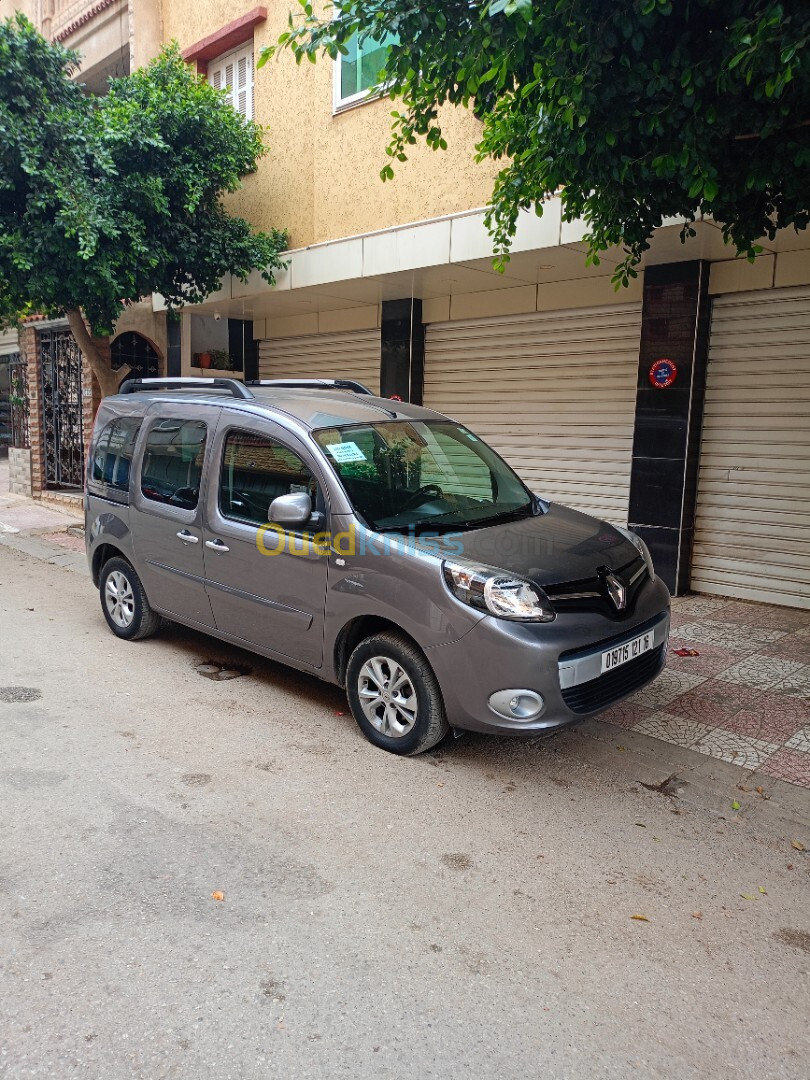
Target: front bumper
{"x": 558, "y": 660}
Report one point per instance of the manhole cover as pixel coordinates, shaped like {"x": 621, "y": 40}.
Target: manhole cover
{"x": 221, "y": 672}
{"x": 14, "y": 694}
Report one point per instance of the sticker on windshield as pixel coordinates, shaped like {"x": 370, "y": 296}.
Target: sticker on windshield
{"x": 346, "y": 451}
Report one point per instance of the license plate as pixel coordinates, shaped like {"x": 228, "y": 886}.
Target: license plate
{"x": 623, "y": 654}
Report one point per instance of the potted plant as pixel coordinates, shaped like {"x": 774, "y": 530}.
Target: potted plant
{"x": 202, "y": 359}
{"x": 221, "y": 360}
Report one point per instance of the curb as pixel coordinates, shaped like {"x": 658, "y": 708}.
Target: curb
{"x": 38, "y": 548}
{"x": 702, "y": 782}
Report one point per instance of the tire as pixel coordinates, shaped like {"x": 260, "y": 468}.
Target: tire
{"x": 124, "y": 602}
{"x": 412, "y": 719}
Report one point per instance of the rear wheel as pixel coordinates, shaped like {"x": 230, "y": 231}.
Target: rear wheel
{"x": 394, "y": 695}
{"x": 124, "y": 602}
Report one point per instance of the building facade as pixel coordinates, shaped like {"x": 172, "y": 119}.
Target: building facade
{"x": 48, "y": 440}
{"x": 680, "y": 406}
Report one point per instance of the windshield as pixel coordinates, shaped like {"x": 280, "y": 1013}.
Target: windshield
{"x": 403, "y": 475}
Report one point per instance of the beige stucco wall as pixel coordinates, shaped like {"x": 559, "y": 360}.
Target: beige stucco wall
{"x": 143, "y": 320}
{"x": 31, "y": 8}
{"x": 320, "y": 179}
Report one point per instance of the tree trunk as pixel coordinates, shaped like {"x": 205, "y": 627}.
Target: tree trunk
{"x": 93, "y": 350}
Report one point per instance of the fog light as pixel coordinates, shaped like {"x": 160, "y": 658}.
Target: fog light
{"x": 516, "y": 704}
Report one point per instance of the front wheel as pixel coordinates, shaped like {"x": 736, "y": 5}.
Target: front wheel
{"x": 124, "y": 602}
{"x": 394, "y": 695}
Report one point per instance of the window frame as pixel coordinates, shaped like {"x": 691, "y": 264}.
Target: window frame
{"x": 218, "y": 63}
{"x": 341, "y": 104}
{"x": 320, "y": 502}
{"x": 155, "y": 504}
{"x": 102, "y": 489}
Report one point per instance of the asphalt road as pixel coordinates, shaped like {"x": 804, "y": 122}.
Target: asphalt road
{"x": 465, "y": 913}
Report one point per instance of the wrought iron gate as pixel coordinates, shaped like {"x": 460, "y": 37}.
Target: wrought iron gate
{"x": 61, "y": 366}
{"x": 18, "y": 399}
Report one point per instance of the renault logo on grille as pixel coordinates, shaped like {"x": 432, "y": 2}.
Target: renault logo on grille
{"x": 617, "y": 591}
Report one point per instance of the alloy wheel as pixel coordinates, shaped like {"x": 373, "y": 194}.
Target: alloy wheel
{"x": 387, "y": 696}
{"x": 120, "y": 599}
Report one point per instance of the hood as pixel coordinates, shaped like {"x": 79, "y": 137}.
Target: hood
{"x": 558, "y": 546}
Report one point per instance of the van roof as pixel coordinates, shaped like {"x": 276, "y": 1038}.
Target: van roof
{"x": 312, "y": 408}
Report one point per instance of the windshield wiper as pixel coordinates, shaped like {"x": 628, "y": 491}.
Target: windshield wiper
{"x": 440, "y": 522}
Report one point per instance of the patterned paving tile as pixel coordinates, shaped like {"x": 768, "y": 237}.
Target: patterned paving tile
{"x": 673, "y": 729}
{"x": 745, "y": 698}
{"x": 738, "y": 749}
{"x": 743, "y": 709}
{"x": 668, "y": 686}
{"x": 626, "y": 714}
{"x": 764, "y": 616}
{"x": 766, "y": 725}
{"x": 711, "y": 659}
{"x": 794, "y": 646}
{"x": 729, "y": 635}
{"x": 698, "y": 606}
{"x": 797, "y": 684}
{"x": 758, "y": 670}
{"x": 790, "y": 765}
{"x": 800, "y": 741}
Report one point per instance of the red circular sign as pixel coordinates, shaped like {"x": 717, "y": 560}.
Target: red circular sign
{"x": 663, "y": 373}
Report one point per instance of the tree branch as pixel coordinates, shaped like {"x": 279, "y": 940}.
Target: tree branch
{"x": 108, "y": 380}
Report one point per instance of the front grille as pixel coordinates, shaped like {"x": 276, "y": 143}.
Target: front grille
{"x": 606, "y": 689}
{"x": 590, "y": 594}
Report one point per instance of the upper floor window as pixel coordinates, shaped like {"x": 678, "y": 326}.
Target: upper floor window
{"x": 360, "y": 69}
{"x": 233, "y": 73}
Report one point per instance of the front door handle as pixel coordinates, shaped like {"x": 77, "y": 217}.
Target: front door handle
{"x": 187, "y": 537}
{"x": 217, "y": 545}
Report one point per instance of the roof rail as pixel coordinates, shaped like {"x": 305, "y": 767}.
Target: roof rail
{"x": 314, "y": 384}
{"x": 233, "y": 386}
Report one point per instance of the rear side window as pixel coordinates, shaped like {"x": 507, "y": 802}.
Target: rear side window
{"x": 256, "y": 470}
{"x": 173, "y": 461}
{"x": 112, "y": 458}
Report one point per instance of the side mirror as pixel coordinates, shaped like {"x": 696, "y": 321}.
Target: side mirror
{"x": 290, "y": 509}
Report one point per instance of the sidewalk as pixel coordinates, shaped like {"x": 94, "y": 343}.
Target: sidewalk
{"x": 744, "y": 698}
{"x": 40, "y": 530}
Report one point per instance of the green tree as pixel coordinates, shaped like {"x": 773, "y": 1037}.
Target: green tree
{"x": 634, "y": 110}
{"x": 106, "y": 200}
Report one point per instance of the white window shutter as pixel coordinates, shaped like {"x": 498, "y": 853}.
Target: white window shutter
{"x": 234, "y": 74}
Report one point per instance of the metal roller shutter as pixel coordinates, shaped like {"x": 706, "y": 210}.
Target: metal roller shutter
{"x": 752, "y": 529}
{"x": 553, "y": 392}
{"x": 352, "y": 354}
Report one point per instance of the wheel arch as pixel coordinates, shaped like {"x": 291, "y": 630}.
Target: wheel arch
{"x": 359, "y": 628}
{"x": 101, "y": 555}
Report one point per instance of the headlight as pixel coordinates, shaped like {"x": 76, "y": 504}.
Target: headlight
{"x": 498, "y": 593}
{"x": 640, "y": 547}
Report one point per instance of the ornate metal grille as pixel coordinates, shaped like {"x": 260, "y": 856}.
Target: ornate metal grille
{"x": 135, "y": 350}
{"x": 18, "y": 400}
{"x": 61, "y": 364}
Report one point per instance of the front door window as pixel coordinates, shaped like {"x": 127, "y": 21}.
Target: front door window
{"x": 256, "y": 470}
